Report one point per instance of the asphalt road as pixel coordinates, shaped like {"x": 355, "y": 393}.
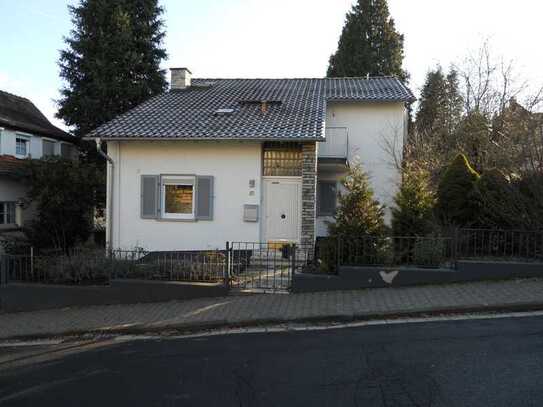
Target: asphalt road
{"x": 496, "y": 362}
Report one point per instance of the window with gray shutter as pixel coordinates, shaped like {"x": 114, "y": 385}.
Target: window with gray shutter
{"x": 326, "y": 198}
{"x": 150, "y": 187}
{"x": 204, "y": 197}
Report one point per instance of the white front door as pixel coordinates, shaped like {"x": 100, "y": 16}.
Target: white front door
{"x": 282, "y": 209}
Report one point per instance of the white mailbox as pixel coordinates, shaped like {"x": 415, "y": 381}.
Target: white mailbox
{"x": 250, "y": 213}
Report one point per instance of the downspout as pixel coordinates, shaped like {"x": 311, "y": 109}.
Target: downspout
{"x": 109, "y": 196}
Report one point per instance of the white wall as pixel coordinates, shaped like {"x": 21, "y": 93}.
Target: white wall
{"x": 7, "y": 143}
{"x": 232, "y": 164}
{"x": 12, "y": 191}
{"x": 370, "y": 126}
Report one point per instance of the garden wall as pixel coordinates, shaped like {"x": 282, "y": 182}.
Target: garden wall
{"x": 352, "y": 278}
{"x": 31, "y": 296}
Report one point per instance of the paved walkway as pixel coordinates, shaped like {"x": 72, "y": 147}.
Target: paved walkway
{"x": 267, "y": 308}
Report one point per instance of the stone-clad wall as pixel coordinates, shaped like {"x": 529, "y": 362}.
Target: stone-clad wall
{"x": 309, "y": 192}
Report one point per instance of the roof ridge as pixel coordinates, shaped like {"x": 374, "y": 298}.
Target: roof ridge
{"x": 14, "y": 95}
{"x": 293, "y": 79}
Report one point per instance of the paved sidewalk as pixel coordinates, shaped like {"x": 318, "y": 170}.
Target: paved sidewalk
{"x": 275, "y": 308}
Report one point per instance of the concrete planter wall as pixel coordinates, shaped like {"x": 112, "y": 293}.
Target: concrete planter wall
{"x": 352, "y": 278}
{"x": 31, "y": 297}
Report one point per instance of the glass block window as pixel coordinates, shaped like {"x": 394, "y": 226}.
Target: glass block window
{"x": 7, "y": 213}
{"x": 283, "y": 160}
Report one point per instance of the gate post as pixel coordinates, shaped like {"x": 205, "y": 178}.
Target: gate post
{"x": 338, "y": 254}
{"x": 292, "y": 261}
{"x": 227, "y": 266}
{"x": 3, "y": 271}
{"x": 455, "y": 247}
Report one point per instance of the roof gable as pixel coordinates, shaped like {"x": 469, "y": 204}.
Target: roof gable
{"x": 21, "y": 114}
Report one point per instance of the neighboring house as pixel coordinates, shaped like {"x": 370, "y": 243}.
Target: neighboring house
{"x": 24, "y": 133}
{"x": 256, "y": 160}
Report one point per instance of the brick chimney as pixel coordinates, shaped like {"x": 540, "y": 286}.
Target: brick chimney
{"x": 180, "y": 78}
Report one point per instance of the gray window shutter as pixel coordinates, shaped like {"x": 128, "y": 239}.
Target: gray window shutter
{"x": 326, "y": 198}
{"x": 204, "y": 197}
{"x": 150, "y": 193}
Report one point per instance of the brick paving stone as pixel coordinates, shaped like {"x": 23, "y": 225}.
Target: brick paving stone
{"x": 242, "y": 309}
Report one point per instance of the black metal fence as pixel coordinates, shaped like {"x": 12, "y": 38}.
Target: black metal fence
{"x": 504, "y": 245}
{"x": 266, "y": 266}
{"x": 429, "y": 251}
{"x": 98, "y": 267}
{"x": 394, "y": 251}
{"x": 201, "y": 266}
{"x": 270, "y": 266}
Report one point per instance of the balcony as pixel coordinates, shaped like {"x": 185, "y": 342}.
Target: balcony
{"x": 333, "y": 153}
{"x": 336, "y": 144}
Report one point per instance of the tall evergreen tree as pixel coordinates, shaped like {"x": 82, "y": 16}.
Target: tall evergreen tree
{"x": 369, "y": 43}
{"x": 457, "y": 202}
{"x": 440, "y": 108}
{"x": 111, "y": 62}
{"x": 432, "y": 102}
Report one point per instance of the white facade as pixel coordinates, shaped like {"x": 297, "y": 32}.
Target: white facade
{"x": 13, "y": 190}
{"x": 236, "y": 168}
{"x": 233, "y": 166}
{"x": 371, "y": 129}
{"x": 8, "y": 142}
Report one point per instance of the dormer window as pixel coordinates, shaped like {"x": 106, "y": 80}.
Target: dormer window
{"x": 21, "y": 147}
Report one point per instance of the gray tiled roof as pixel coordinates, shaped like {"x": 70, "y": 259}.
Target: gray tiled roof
{"x": 20, "y": 113}
{"x": 300, "y": 115}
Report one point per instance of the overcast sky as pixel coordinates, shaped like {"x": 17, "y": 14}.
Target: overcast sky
{"x": 279, "y": 38}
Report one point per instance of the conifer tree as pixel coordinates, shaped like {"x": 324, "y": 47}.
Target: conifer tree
{"x": 111, "y": 61}
{"x": 358, "y": 213}
{"x": 440, "y": 108}
{"x": 456, "y": 194}
{"x": 412, "y": 214}
{"x": 369, "y": 43}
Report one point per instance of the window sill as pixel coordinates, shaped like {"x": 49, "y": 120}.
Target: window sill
{"x": 176, "y": 220}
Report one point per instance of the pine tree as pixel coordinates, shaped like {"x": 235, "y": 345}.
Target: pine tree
{"x": 454, "y": 102}
{"x": 111, "y": 62}
{"x": 414, "y": 203}
{"x": 358, "y": 227}
{"x": 431, "y": 102}
{"x": 456, "y": 194}
{"x": 440, "y": 108}
{"x": 358, "y": 213}
{"x": 369, "y": 43}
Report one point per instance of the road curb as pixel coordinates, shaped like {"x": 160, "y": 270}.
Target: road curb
{"x": 190, "y": 328}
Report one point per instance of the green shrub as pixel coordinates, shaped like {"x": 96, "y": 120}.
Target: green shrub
{"x": 85, "y": 266}
{"x": 457, "y": 202}
{"x": 428, "y": 252}
{"x": 359, "y": 215}
{"x": 65, "y": 194}
{"x": 412, "y": 214}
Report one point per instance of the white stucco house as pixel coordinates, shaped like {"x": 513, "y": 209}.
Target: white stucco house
{"x": 24, "y": 133}
{"x": 256, "y": 160}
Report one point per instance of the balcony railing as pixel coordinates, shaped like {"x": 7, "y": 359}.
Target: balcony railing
{"x": 336, "y": 144}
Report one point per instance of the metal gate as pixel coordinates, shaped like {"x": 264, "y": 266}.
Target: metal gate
{"x": 265, "y": 267}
